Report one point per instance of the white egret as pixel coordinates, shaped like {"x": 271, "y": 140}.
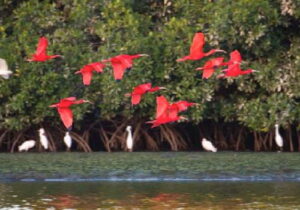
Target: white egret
{"x": 68, "y": 140}
{"x": 43, "y": 138}
{"x": 4, "y": 72}
{"x": 208, "y": 146}
{"x": 278, "y": 138}
{"x": 26, "y": 145}
{"x": 129, "y": 140}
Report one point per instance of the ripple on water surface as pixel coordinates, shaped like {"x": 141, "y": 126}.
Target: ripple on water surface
{"x": 185, "y": 180}
{"x": 153, "y": 195}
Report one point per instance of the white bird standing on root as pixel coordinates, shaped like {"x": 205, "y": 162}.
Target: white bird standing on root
{"x": 26, "y": 145}
{"x": 68, "y": 140}
{"x": 4, "y": 72}
{"x": 129, "y": 140}
{"x": 208, "y": 146}
{"x": 43, "y": 138}
{"x": 278, "y": 138}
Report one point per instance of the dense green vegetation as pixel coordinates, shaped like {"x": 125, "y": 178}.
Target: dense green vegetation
{"x": 233, "y": 112}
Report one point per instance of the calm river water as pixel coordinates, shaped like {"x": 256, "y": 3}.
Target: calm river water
{"x": 150, "y": 181}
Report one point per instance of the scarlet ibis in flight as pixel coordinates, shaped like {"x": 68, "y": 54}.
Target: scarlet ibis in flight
{"x": 65, "y": 113}
{"x": 140, "y": 90}
{"x": 4, "y": 72}
{"x": 163, "y": 107}
{"x": 234, "y": 71}
{"x": 196, "y": 49}
{"x": 208, "y": 146}
{"x": 183, "y": 105}
{"x": 40, "y": 54}
{"x": 87, "y": 71}
{"x": 121, "y": 63}
{"x": 210, "y": 65}
{"x": 26, "y": 145}
{"x": 162, "y": 115}
{"x": 165, "y": 119}
{"x": 166, "y": 112}
{"x": 129, "y": 140}
{"x": 235, "y": 58}
{"x": 177, "y": 107}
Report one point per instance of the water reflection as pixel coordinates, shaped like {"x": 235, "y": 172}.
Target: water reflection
{"x": 151, "y": 195}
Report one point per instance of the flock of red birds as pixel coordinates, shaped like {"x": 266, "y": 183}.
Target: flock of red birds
{"x": 166, "y": 112}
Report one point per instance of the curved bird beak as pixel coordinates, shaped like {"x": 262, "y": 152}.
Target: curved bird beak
{"x": 224, "y": 70}
{"x": 183, "y": 118}
{"x": 162, "y": 88}
{"x": 144, "y": 55}
{"x": 220, "y": 76}
{"x": 127, "y": 94}
{"x": 87, "y": 101}
{"x": 59, "y": 56}
{"x": 223, "y": 51}
{"x": 105, "y": 61}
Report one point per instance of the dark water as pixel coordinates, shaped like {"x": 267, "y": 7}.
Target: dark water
{"x": 150, "y": 195}
{"x": 167, "y": 180}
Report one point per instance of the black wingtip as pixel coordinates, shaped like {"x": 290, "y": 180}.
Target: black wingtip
{"x": 118, "y": 80}
{"x": 69, "y": 129}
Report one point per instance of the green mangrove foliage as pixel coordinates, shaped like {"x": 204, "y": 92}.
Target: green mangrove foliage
{"x": 267, "y": 33}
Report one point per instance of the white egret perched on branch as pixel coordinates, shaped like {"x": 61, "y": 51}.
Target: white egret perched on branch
{"x": 43, "y": 138}
{"x": 208, "y": 146}
{"x": 278, "y": 138}
{"x": 68, "y": 140}
{"x": 129, "y": 140}
{"x": 4, "y": 72}
{"x": 26, "y": 145}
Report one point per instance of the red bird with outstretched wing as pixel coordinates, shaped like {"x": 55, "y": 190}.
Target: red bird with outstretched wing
{"x": 196, "y": 49}
{"x": 121, "y": 63}
{"x": 234, "y": 71}
{"x": 184, "y": 105}
{"x": 235, "y": 58}
{"x": 166, "y": 112}
{"x": 162, "y": 106}
{"x": 210, "y": 65}
{"x": 234, "y": 66}
{"x": 40, "y": 54}
{"x": 65, "y": 113}
{"x": 164, "y": 120}
{"x": 87, "y": 71}
{"x": 140, "y": 90}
